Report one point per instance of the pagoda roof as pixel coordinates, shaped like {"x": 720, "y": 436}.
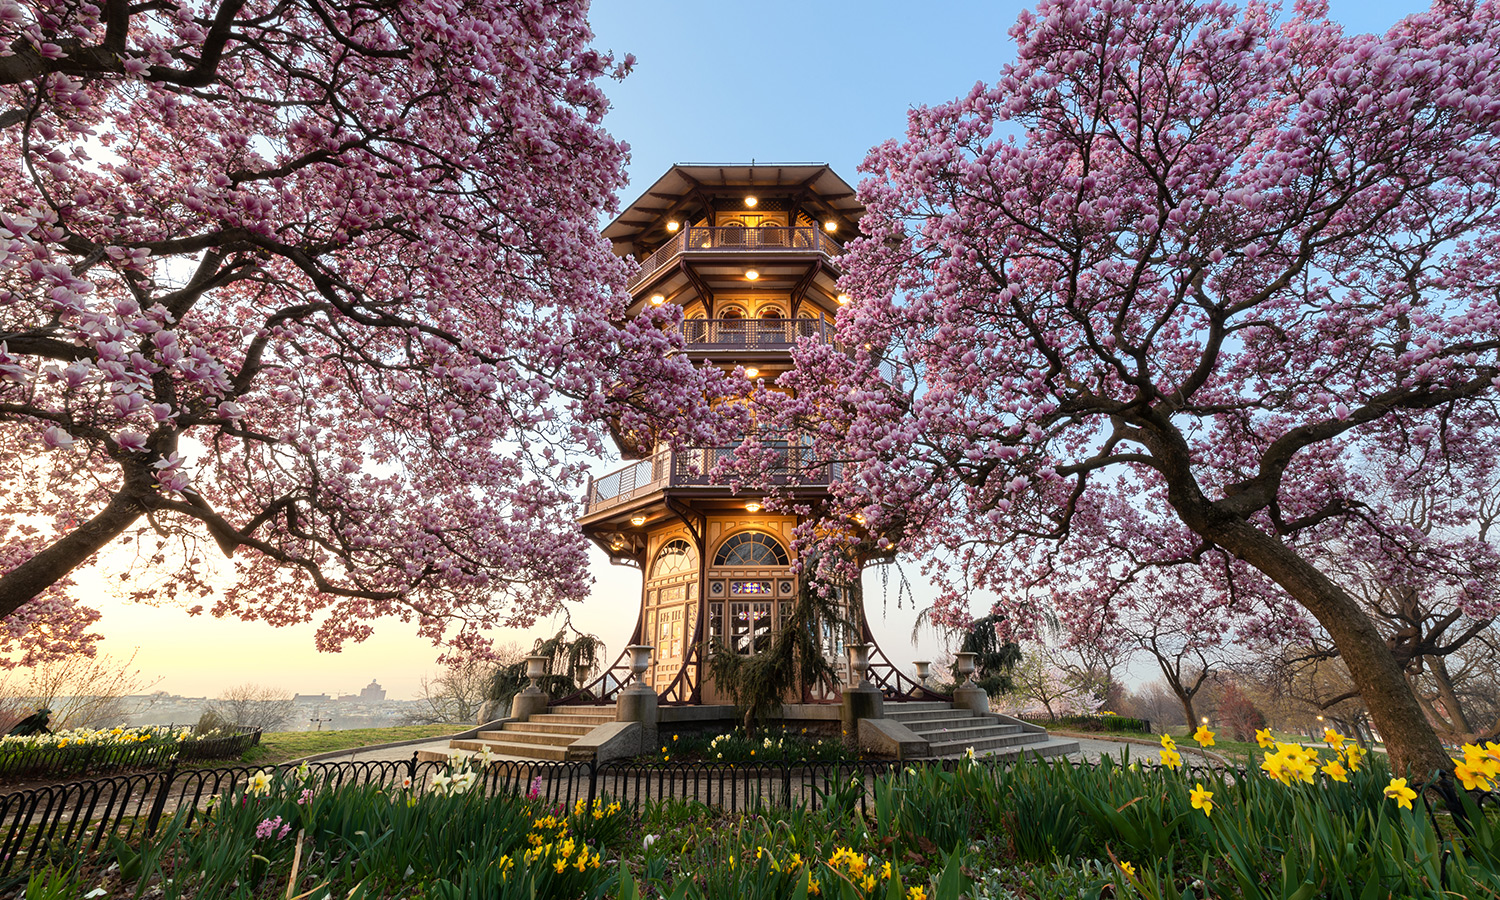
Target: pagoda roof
{"x": 686, "y": 186}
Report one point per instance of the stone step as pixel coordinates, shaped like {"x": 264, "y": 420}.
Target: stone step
{"x": 917, "y": 705}
{"x": 528, "y": 737}
{"x": 976, "y": 733}
{"x": 955, "y": 722}
{"x": 901, "y": 714}
{"x": 1049, "y": 748}
{"x": 574, "y": 718}
{"x": 544, "y": 728}
{"x": 958, "y": 748}
{"x": 526, "y": 751}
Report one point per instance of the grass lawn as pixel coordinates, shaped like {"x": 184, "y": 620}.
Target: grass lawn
{"x": 280, "y": 746}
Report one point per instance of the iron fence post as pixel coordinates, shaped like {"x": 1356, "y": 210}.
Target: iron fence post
{"x": 159, "y": 805}
{"x": 411, "y": 769}
{"x": 593, "y": 781}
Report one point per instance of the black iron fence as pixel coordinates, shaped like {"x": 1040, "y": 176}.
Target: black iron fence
{"x": 56, "y": 822}
{"x": 18, "y": 761}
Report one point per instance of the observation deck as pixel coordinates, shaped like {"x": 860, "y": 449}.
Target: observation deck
{"x": 701, "y": 243}
{"x": 693, "y": 469}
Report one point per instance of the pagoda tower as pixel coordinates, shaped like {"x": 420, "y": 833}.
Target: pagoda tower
{"x": 751, "y": 255}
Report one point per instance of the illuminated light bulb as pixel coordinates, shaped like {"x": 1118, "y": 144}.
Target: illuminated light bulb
{"x": 751, "y": 201}
{"x": 751, "y": 371}
{"x": 637, "y": 520}
{"x": 673, "y": 225}
{"x": 752, "y": 506}
{"x": 830, "y": 226}
{"x": 843, "y": 299}
{"x": 658, "y": 299}
{"x": 751, "y": 274}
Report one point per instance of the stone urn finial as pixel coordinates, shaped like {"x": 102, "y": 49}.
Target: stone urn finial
{"x": 536, "y": 669}
{"x": 924, "y": 670}
{"x": 859, "y": 664}
{"x": 640, "y": 661}
{"x": 966, "y": 668}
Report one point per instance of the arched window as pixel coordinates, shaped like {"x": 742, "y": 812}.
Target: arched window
{"x": 751, "y": 548}
{"x": 675, "y": 558}
{"x": 770, "y": 312}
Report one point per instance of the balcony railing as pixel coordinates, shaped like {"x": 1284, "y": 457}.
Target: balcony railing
{"x": 732, "y": 238}
{"x": 751, "y": 334}
{"x": 694, "y": 468}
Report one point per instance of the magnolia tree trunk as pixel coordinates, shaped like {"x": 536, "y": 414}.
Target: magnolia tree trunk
{"x": 1410, "y": 741}
{"x": 1188, "y": 712}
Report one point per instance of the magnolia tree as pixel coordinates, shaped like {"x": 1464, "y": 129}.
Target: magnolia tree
{"x": 321, "y": 282}
{"x": 1198, "y": 262}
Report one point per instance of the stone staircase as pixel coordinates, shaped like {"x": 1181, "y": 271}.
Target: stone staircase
{"x": 948, "y": 731}
{"x": 543, "y": 736}
{"x": 951, "y": 732}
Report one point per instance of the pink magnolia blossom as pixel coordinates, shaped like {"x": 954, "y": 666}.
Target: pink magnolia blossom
{"x": 323, "y": 284}
{"x": 1187, "y": 285}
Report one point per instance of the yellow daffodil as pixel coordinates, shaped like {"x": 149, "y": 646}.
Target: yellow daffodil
{"x": 1203, "y": 736}
{"x": 1473, "y": 778}
{"x": 1333, "y": 739}
{"x": 1202, "y": 799}
{"x": 260, "y": 783}
{"x": 1355, "y": 756}
{"x": 1171, "y": 758}
{"x": 1274, "y": 765}
{"x": 1128, "y": 869}
{"x": 1399, "y": 792}
{"x": 1335, "y": 771}
{"x": 1264, "y": 739}
{"x": 1168, "y": 743}
{"x": 916, "y": 893}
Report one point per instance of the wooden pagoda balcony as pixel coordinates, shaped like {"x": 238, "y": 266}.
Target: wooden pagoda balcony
{"x": 735, "y": 239}
{"x": 752, "y": 334}
{"x": 693, "y": 468}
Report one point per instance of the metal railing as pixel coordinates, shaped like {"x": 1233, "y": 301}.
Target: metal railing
{"x": 751, "y": 334}
{"x": 696, "y": 468}
{"x": 79, "y": 817}
{"x": 55, "y": 822}
{"x": 734, "y": 238}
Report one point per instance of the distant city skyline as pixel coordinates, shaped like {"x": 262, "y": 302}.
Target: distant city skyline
{"x": 713, "y": 82}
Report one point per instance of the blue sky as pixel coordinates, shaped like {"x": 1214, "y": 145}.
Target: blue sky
{"x": 811, "y": 81}
{"x": 773, "y": 81}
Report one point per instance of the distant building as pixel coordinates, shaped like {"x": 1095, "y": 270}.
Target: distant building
{"x": 372, "y": 693}
{"x": 311, "y": 698}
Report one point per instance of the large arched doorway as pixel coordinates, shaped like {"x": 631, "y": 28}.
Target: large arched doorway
{"x": 671, "y": 607}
